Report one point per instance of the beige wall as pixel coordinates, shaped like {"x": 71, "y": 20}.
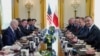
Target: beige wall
{"x": 69, "y": 11}
{"x": 35, "y": 11}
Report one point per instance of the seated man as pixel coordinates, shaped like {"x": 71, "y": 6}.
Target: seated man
{"x": 31, "y": 24}
{"x": 71, "y": 24}
{"x": 19, "y": 33}
{"x": 83, "y": 31}
{"x": 23, "y": 27}
{"x": 9, "y": 36}
{"x": 93, "y": 37}
{"x": 76, "y": 26}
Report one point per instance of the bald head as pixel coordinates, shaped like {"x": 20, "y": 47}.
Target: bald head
{"x": 14, "y": 24}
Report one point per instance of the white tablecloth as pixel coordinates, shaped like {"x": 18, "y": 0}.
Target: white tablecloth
{"x": 8, "y": 55}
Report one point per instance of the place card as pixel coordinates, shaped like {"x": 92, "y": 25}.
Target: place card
{"x": 88, "y": 46}
{"x": 24, "y": 52}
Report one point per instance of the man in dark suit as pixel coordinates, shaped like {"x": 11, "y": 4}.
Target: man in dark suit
{"x": 9, "y": 36}
{"x": 30, "y": 26}
{"x": 33, "y": 24}
{"x": 19, "y": 33}
{"x": 76, "y": 26}
{"x": 70, "y": 27}
{"x": 93, "y": 36}
{"x": 83, "y": 31}
{"x": 23, "y": 27}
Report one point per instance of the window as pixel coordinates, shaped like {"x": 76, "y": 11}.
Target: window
{"x": 6, "y": 13}
{"x": 97, "y": 13}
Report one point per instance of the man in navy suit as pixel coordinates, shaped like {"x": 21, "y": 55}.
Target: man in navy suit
{"x": 76, "y": 26}
{"x": 32, "y": 26}
{"x": 93, "y": 37}
{"x": 19, "y": 33}
{"x": 9, "y": 36}
{"x": 23, "y": 27}
{"x": 83, "y": 31}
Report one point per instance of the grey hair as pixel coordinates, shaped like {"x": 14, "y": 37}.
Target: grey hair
{"x": 14, "y": 21}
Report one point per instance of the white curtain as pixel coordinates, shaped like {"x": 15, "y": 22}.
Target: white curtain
{"x": 97, "y": 13}
{"x": 6, "y": 13}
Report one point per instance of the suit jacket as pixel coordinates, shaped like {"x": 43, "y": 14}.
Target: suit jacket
{"x": 74, "y": 29}
{"x": 93, "y": 37}
{"x": 71, "y": 27}
{"x": 1, "y": 43}
{"x": 24, "y": 30}
{"x": 31, "y": 28}
{"x": 9, "y": 37}
{"x": 83, "y": 32}
{"x": 19, "y": 33}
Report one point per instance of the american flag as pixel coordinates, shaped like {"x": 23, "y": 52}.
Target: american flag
{"x": 49, "y": 13}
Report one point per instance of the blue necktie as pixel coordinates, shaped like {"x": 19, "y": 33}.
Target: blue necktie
{"x": 14, "y": 35}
